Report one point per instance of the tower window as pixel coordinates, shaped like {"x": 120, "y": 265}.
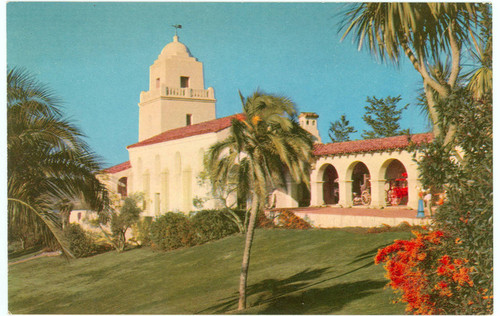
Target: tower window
{"x": 184, "y": 82}
{"x": 157, "y": 82}
{"x": 188, "y": 119}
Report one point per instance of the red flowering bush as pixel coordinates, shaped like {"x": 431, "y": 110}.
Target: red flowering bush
{"x": 287, "y": 219}
{"x": 282, "y": 219}
{"x": 429, "y": 282}
{"x": 263, "y": 221}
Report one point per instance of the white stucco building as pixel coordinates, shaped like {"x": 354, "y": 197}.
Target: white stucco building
{"x": 177, "y": 124}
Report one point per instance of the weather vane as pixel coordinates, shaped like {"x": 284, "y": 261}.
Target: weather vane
{"x": 177, "y": 26}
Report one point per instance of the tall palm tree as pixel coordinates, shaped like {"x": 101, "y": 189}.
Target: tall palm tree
{"x": 48, "y": 162}
{"x": 425, "y": 33}
{"x": 265, "y": 144}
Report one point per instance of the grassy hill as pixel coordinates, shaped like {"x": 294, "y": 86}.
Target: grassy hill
{"x": 291, "y": 272}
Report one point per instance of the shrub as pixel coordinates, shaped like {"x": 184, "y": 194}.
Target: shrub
{"x": 171, "y": 231}
{"x": 80, "y": 243}
{"x": 429, "y": 281}
{"x": 142, "y": 231}
{"x": 212, "y": 225}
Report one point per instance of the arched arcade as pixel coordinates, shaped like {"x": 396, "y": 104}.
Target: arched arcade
{"x": 371, "y": 179}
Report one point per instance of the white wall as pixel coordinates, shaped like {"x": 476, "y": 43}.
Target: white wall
{"x": 171, "y": 169}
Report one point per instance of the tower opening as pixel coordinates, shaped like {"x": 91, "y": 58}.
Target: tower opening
{"x": 184, "y": 82}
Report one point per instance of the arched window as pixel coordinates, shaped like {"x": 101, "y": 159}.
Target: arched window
{"x": 122, "y": 187}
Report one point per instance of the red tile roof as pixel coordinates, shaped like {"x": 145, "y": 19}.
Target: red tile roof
{"x": 368, "y": 145}
{"x": 120, "y": 167}
{"x": 187, "y": 131}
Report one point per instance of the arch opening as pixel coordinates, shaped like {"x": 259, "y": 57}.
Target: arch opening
{"x": 330, "y": 185}
{"x": 361, "y": 187}
{"x": 396, "y": 183}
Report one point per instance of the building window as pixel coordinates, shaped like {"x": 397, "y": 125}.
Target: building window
{"x": 157, "y": 82}
{"x": 188, "y": 119}
{"x": 307, "y": 122}
{"x": 312, "y": 122}
{"x": 184, "y": 82}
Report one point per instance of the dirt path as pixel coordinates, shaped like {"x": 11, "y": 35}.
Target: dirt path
{"x": 43, "y": 254}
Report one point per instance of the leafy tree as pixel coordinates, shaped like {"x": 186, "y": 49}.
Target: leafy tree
{"x": 340, "y": 130}
{"x": 383, "y": 117}
{"x": 264, "y": 141}
{"x": 423, "y": 32}
{"x": 225, "y": 195}
{"x": 47, "y": 160}
{"x": 121, "y": 221}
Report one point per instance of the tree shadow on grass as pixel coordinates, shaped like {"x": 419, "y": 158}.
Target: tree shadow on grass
{"x": 268, "y": 288}
{"x": 295, "y": 295}
{"x": 369, "y": 254}
{"x": 299, "y": 293}
{"x": 320, "y": 300}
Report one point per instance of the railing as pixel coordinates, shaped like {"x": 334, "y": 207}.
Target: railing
{"x": 187, "y": 92}
{"x": 178, "y": 93}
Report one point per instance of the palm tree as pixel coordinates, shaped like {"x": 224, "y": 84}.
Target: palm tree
{"x": 48, "y": 162}
{"x": 424, "y": 33}
{"x": 481, "y": 78}
{"x": 264, "y": 145}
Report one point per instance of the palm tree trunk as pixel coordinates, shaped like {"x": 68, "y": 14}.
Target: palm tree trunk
{"x": 242, "y": 303}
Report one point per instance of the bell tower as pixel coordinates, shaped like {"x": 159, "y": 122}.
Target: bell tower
{"x": 177, "y": 96}
{"x": 309, "y": 122}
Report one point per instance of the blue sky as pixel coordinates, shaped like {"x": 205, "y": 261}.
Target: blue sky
{"x": 96, "y": 58}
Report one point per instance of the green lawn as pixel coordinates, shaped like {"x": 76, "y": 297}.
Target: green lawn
{"x": 291, "y": 272}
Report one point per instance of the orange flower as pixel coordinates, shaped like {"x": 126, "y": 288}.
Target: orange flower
{"x": 445, "y": 260}
{"x": 462, "y": 277}
{"x": 256, "y": 119}
{"x": 458, "y": 241}
{"x": 421, "y": 256}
